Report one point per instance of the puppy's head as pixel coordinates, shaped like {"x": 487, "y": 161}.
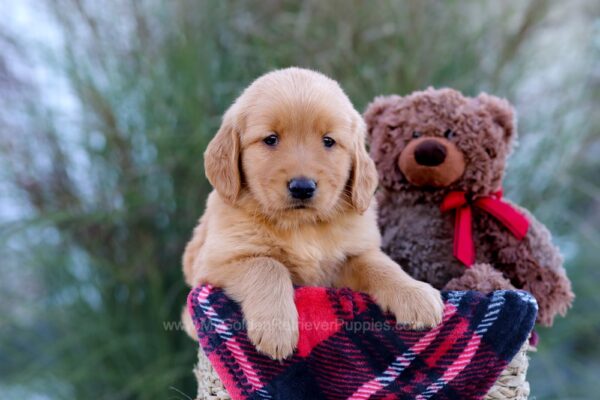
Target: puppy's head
{"x": 291, "y": 147}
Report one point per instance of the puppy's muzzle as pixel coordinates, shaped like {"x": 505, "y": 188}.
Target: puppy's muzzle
{"x": 302, "y": 188}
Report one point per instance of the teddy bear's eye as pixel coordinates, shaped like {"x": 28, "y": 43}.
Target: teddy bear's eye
{"x": 490, "y": 152}
{"x": 449, "y": 134}
{"x": 416, "y": 134}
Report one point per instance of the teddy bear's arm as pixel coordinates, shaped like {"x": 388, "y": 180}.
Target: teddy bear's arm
{"x": 540, "y": 243}
{"x": 481, "y": 277}
{"x": 536, "y": 265}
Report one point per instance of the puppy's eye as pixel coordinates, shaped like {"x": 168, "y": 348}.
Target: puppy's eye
{"x": 449, "y": 134}
{"x": 328, "y": 142}
{"x": 393, "y": 127}
{"x": 271, "y": 140}
{"x": 416, "y": 134}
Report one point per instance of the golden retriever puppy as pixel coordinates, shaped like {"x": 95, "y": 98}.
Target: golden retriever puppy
{"x": 293, "y": 204}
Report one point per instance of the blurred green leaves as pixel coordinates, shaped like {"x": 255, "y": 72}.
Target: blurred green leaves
{"x": 102, "y": 178}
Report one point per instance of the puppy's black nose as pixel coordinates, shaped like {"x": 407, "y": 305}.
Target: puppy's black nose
{"x": 302, "y": 188}
{"x": 430, "y": 153}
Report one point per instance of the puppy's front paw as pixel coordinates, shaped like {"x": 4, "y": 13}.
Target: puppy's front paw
{"x": 417, "y": 305}
{"x": 274, "y": 333}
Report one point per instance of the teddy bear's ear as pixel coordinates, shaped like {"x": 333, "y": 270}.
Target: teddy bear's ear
{"x": 502, "y": 112}
{"x": 375, "y": 110}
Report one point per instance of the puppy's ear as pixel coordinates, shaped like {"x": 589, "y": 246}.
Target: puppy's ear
{"x": 221, "y": 159}
{"x": 502, "y": 112}
{"x": 364, "y": 175}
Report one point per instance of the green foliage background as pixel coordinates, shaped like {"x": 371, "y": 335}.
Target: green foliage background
{"x": 101, "y": 176}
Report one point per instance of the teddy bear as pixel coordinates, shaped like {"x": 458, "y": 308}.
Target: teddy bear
{"x": 441, "y": 158}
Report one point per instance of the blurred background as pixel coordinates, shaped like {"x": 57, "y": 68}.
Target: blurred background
{"x": 105, "y": 110}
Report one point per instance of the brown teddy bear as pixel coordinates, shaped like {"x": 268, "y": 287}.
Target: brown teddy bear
{"x": 441, "y": 158}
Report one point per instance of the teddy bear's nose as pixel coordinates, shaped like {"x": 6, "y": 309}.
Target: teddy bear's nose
{"x": 430, "y": 153}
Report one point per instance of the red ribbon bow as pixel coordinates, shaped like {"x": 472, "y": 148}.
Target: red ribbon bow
{"x": 464, "y": 248}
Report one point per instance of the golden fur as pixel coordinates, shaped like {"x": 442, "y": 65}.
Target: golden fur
{"x": 253, "y": 239}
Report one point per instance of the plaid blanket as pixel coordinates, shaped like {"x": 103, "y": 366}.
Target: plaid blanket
{"x": 349, "y": 349}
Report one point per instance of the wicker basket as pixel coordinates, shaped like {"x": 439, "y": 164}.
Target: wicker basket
{"x": 209, "y": 384}
{"x": 512, "y": 383}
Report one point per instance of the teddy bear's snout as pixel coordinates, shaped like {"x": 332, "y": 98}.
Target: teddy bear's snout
{"x": 431, "y": 161}
{"x": 430, "y": 153}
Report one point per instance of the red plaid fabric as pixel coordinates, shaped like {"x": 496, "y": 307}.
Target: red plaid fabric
{"x": 349, "y": 349}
